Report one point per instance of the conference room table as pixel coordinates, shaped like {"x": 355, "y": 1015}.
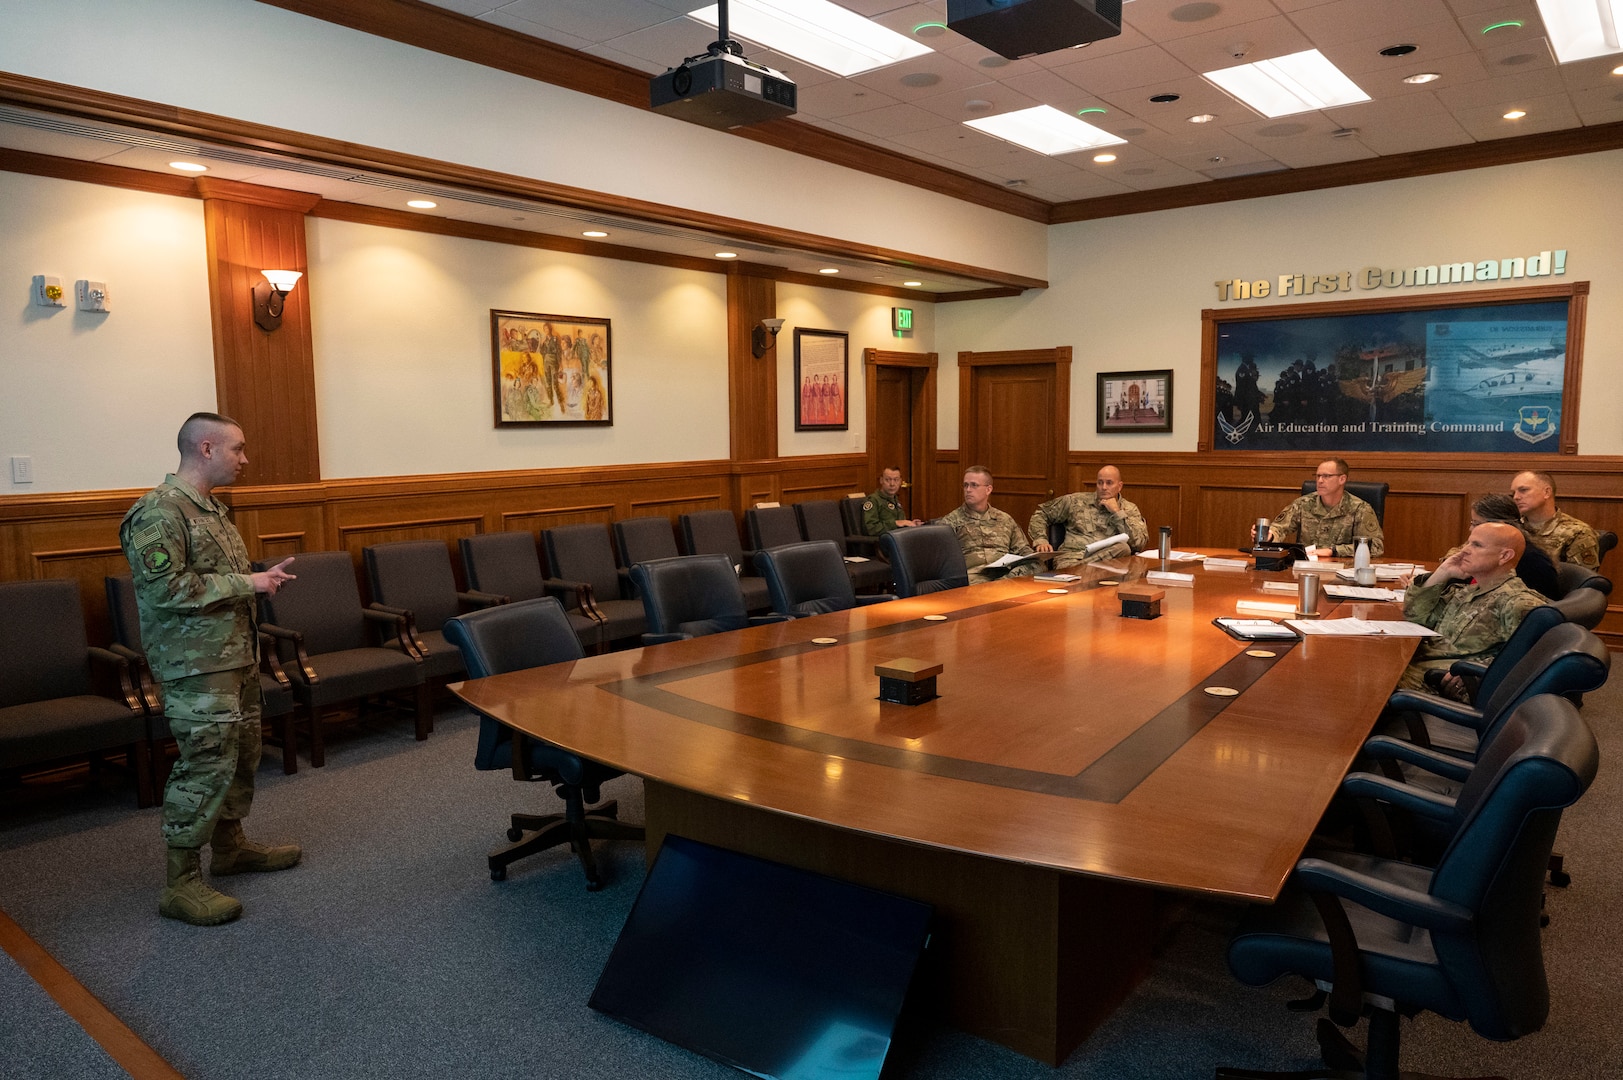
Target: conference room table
{"x": 1073, "y": 778}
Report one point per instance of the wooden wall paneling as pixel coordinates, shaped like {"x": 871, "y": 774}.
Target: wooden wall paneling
{"x": 362, "y": 535}
{"x": 1423, "y": 525}
{"x": 752, "y": 385}
{"x": 263, "y": 379}
{"x": 948, "y": 476}
{"x": 551, "y": 517}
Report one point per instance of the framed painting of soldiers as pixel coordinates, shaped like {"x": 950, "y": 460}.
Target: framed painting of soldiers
{"x": 551, "y": 369}
{"x": 1134, "y": 401}
{"x": 1495, "y": 371}
{"x": 822, "y": 388}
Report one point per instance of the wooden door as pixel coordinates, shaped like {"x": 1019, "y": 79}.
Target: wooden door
{"x": 1014, "y": 418}
{"x": 902, "y": 423}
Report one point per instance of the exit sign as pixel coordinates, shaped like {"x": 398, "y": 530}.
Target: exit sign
{"x": 901, "y": 319}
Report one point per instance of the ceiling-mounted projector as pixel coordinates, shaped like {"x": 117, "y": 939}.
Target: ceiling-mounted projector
{"x": 721, "y": 89}
{"x": 1017, "y": 28}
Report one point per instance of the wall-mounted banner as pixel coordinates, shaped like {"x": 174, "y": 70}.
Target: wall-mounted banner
{"x": 1477, "y": 378}
{"x": 1548, "y": 263}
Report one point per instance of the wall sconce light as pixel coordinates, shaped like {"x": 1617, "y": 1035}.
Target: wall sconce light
{"x": 765, "y": 334}
{"x": 270, "y": 296}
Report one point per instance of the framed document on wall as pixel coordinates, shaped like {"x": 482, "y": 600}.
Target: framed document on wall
{"x": 1134, "y": 401}
{"x": 551, "y": 369}
{"x": 821, "y": 380}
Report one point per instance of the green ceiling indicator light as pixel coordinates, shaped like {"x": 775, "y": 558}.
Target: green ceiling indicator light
{"x": 1094, "y": 109}
{"x": 1507, "y": 24}
{"x": 901, "y": 320}
{"x": 929, "y": 29}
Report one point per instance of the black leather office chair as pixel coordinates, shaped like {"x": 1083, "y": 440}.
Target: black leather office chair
{"x": 1374, "y": 494}
{"x": 925, "y": 559}
{"x": 809, "y": 578}
{"x": 852, "y": 515}
{"x": 1608, "y": 541}
{"x": 413, "y": 579}
{"x": 772, "y": 526}
{"x": 820, "y": 520}
{"x": 1571, "y": 576}
{"x": 1584, "y": 606}
{"x": 643, "y": 539}
{"x": 1483, "y": 678}
{"x": 580, "y": 554}
{"x": 59, "y": 696}
{"x": 691, "y": 596}
{"x": 333, "y": 649}
{"x": 1460, "y": 940}
{"x": 526, "y": 634}
{"x": 508, "y": 564}
{"x": 715, "y": 532}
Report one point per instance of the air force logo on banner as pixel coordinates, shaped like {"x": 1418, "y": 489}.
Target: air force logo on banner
{"x": 1235, "y": 432}
{"x": 1534, "y": 425}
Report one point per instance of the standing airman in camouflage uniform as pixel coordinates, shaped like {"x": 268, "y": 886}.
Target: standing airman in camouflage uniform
{"x": 194, "y": 589}
{"x": 882, "y": 511}
{"x": 1089, "y": 517}
{"x": 1330, "y": 520}
{"x": 1563, "y": 537}
{"x": 986, "y": 533}
{"x": 1474, "y": 618}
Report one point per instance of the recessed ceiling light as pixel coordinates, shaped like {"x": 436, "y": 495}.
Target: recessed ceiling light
{"x": 421, "y": 204}
{"x": 1300, "y": 82}
{"x": 1423, "y": 77}
{"x": 821, "y": 33}
{"x": 828, "y": 270}
{"x": 1046, "y": 130}
{"x": 188, "y": 166}
{"x": 726, "y": 254}
{"x": 915, "y": 284}
{"x": 1202, "y": 118}
{"x": 1104, "y": 159}
{"x": 1515, "y": 114}
{"x": 594, "y": 233}
{"x": 1578, "y": 31}
{"x": 1618, "y": 70}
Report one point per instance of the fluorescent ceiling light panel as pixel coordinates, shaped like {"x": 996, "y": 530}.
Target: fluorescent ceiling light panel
{"x": 1580, "y": 29}
{"x": 824, "y": 35}
{"x": 1046, "y": 130}
{"x": 1300, "y": 82}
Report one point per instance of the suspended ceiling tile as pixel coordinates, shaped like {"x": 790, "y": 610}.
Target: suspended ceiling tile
{"x": 1433, "y": 41}
{"x": 841, "y": 97}
{"x": 894, "y": 120}
{"x": 590, "y": 20}
{"x": 537, "y": 30}
{"x": 1141, "y": 67}
{"x": 1507, "y": 90}
{"x": 997, "y": 100}
{"x": 1253, "y": 41}
{"x": 1352, "y": 20}
{"x": 1169, "y": 20}
{"x": 1550, "y": 113}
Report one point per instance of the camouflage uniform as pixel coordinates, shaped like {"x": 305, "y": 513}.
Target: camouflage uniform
{"x": 1086, "y": 521}
{"x": 195, "y": 594}
{"x": 1475, "y": 622}
{"x": 880, "y": 513}
{"x": 1566, "y": 539}
{"x": 1309, "y": 522}
{"x": 987, "y": 537}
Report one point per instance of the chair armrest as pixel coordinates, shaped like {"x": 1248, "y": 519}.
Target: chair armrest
{"x": 1385, "y": 897}
{"x": 295, "y": 642}
{"x": 112, "y": 663}
{"x": 747, "y": 567}
{"x": 1468, "y": 669}
{"x": 876, "y": 598}
{"x": 574, "y": 594}
{"x": 1442, "y": 708}
{"x": 1386, "y": 748}
{"x": 768, "y": 620}
{"x": 271, "y": 662}
{"x": 862, "y": 545}
{"x": 1427, "y": 804}
{"x": 663, "y": 639}
{"x": 145, "y": 684}
{"x": 628, "y": 588}
{"x": 408, "y": 635}
{"x": 477, "y": 600}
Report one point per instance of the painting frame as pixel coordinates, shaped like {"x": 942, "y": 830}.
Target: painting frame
{"x": 542, "y": 377}
{"x": 1116, "y": 401}
{"x": 823, "y": 356}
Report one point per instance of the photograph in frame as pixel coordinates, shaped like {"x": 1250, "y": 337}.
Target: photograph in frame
{"x": 1134, "y": 401}
{"x": 822, "y": 385}
{"x": 551, "y": 369}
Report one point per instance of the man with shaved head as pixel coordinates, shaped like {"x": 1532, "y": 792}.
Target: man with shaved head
{"x": 1474, "y": 601}
{"x": 1089, "y": 517}
{"x": 1563, "y": 537}
{"x": 195, "y": 591}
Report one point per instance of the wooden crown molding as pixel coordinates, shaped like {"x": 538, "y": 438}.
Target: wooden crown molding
{"x": 300, "y": 202}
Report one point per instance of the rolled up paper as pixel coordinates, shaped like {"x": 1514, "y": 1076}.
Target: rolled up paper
{"x": 1099, "y": 545}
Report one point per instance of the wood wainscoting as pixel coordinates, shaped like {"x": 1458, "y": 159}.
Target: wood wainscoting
{"x": 74, "y": 535}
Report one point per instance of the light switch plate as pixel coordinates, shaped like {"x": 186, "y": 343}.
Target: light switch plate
{"x": 22, "y": 469}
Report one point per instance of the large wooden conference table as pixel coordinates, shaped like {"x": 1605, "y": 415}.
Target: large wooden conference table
{"x": 1072, "y": 775}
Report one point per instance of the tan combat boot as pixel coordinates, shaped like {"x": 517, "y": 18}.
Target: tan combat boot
{"x": 234, "y": 853}
{"x": 188, "y": 898}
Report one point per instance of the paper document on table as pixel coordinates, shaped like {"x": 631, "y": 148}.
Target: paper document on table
{"x": 1382, "y": 573}
{"x": 1280, "y": 586}
{"x": 856, "y": 558}
{"x": 1167, "y": 577}
{"x": 1172, "y": 556}
{"x": 1360, "y": 628}
{"x": 1214, "y": 563}
{"x": 1362, "y": 592}
{"x": 1259, "y": 606}
{"x": 1011, "y": 559}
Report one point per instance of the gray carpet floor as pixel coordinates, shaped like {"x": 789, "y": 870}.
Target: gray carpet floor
{"x": 390, "y": 953}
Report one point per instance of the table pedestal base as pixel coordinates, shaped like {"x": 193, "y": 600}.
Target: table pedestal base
{"x": 1031, "y": 958}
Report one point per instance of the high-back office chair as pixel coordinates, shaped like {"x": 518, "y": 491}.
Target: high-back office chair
{"x": 809, "y": 578}
{"x": 691, "y": 596}
{"x": 413, "y": 579}
{"x": 925, "y": 559}
{"x": 51, "y": 706}
{"x": 820, "y": 520}
{"x": 1583, "y": 606}
{"x": 852, "y": 514}
{"x": 1571, "y": 576}
{"x": 508, "y": 564}
{"x": 1374, "y": 494}
{"x": 715, "y": 532}
{"x": 334, "y": 650}
{"x": 1460, "y": 940}
{"x": 526, "y": 634}
{"x": 772, "y": 526}
{"x": 1608, "y": 541}
{"x": 642, "y": 539}
{"x": 580, "y": 554}
{"x": 1483, "y": 678}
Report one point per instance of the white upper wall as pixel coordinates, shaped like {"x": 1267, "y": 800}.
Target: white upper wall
{"x": 404, "y": 373}
{"x": 95, "y": 400}
{"x": 250, "y": 61}
{"x": 1127, "y": 292}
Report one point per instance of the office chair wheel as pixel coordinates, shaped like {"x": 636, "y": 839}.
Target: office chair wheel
{"x": 515, "y": 834}
{"x": 498, "y": 872}
{"x": 1560, "y": 878}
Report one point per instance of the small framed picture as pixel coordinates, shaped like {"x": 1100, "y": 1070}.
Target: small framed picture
{"x": 551, "y": 369}
{"x": 1135, "y": 401}
{"x": 821, "y": 383}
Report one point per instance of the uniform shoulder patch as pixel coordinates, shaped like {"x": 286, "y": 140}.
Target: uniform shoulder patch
{"x": 867, "y": 504}
{"x": 149, "y": 535}
{"x": 156, "y": 559}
